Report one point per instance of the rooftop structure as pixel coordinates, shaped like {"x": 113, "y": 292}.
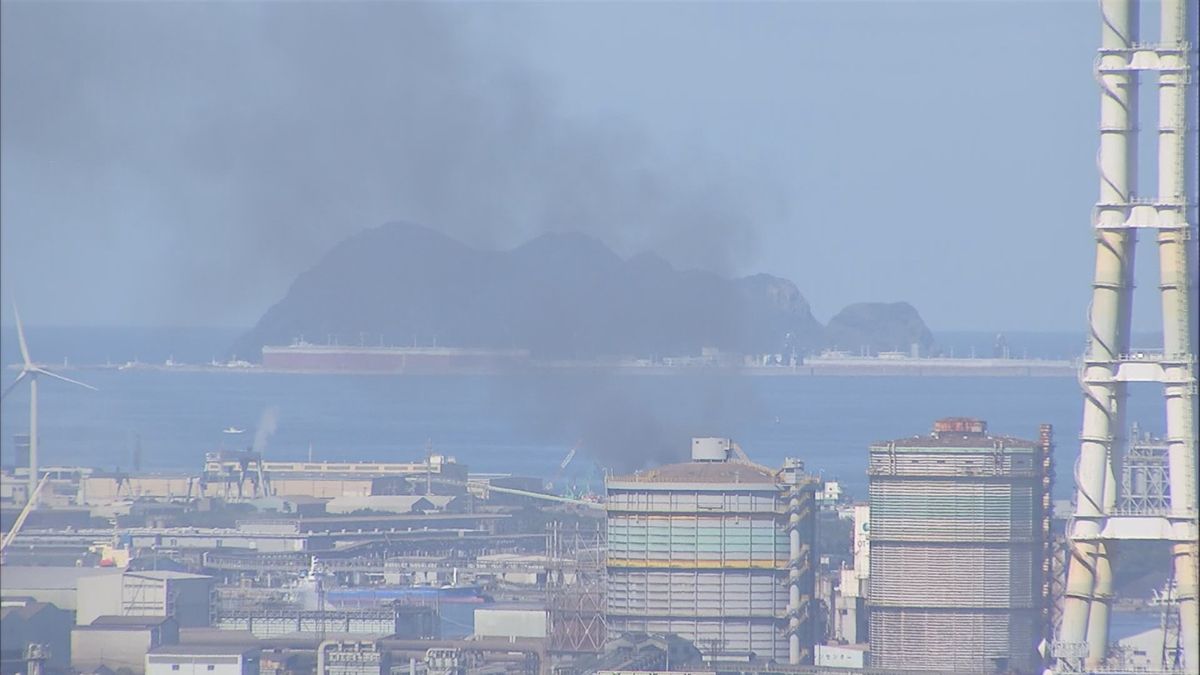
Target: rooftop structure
{"x": 956, "y": 546}
{"x": 228, "y": 473}
{"x": 717, "y": 551}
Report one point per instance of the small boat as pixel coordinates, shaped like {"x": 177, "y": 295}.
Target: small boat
{"x": 233, "y": 430}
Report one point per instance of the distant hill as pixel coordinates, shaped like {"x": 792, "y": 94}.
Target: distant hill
{"x": 559, "y": 295}
{"x": 878, "y": 327}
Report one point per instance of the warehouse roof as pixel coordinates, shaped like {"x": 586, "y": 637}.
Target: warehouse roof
{"x": 37, "y": 577}
{"x": 163, "y": 575}
{"x": 392, "y": 503}
{"x": 204, "y": 650}
{"x": 123, "y": 621}
{"x": 26, "y": 611}
{"x": 207, "y": 635}
{"x": 702, "y": 472}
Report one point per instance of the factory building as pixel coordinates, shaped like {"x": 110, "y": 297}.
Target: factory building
{"x": 956, "y": 547}
{"x": 25, "y": 623}
{"x": 117, "y": 642}
{"x": 58, "y": 585}
{"x": 203, "y": 660}
{"x": 716, "y": 550}
{"x": 227, "y": 474}
{"x": 848, "y": 610}
{"x": 151, "y": 593}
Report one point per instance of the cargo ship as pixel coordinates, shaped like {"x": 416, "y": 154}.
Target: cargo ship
{"x": 314, "y": 358}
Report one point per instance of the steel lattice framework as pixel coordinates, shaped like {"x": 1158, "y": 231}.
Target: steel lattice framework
{"x": 575, "y": 588}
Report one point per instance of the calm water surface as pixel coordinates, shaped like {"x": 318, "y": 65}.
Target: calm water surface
{"x": 525, "y": 424}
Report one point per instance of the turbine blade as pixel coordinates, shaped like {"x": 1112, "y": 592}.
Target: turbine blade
{"x": 43, "y": 371}
{"x": 14, "y": 383}
{"x": 21, "y": 337}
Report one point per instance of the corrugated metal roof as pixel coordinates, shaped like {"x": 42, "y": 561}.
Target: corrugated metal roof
{"x": 115, "y": 621}
{"x": 392, "y": 503}
{"x": 21, "y": 577}
{"x": 25, "y": 611}
{"x": 163, "y": 575}
{"x": 703, "y": 472}
{"x": 207, "y": 635}
{"x": 205, "y": 650}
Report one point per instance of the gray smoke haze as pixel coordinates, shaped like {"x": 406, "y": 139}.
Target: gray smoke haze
{"x": 226, "y": 146}
{"x": 234, "y": 143}
{"x": 268, "y": 423}
{"x": 623, "y": 427}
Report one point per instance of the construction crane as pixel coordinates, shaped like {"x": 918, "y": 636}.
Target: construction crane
{"x": 562, "y": 466}
{"x": 29, "y": 504}
{"x": 480, "y": 487}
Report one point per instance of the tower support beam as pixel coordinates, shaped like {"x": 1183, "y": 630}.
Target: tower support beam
{"x": 1119, "y": 215}
{"x": 1177, "y": 297}
{"x": 1089, "y": 577}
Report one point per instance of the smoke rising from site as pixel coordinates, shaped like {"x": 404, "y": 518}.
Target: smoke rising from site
{"x": 268, "y": 422}
{"x": 622, "y": 427}
{"x": 222, "y": 148}
{"x": 218, "y": 149}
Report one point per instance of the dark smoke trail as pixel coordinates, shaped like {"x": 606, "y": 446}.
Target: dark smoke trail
{"x": 625, "y": 421}
{"x": 225, "y": 166}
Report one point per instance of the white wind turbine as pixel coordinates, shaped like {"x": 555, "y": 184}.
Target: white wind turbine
{"x": 31, "y": 371}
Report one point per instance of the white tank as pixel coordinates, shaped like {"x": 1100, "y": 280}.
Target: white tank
{"x": 710, "y": 449}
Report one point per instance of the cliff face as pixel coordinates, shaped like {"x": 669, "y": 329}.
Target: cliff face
{"x": 560, "y": 296}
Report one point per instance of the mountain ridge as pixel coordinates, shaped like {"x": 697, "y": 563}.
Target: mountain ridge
{"x": 561, "y": 295}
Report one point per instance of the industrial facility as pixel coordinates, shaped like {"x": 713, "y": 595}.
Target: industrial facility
{"x": 706, "y": 564}
{"x": 959, "y": 562}
{"x": 717, "y": 550}
{"x": 957, "y": 541}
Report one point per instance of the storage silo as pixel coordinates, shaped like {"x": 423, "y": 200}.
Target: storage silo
{"x": 956, "y": 550}
{"x": 717, "y": 550}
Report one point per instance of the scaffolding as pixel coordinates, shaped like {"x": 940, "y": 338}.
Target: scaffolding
{"x": 576, "y": 587}
{"x": 1053, "y": 548}
{"x": 1145, "y": 477}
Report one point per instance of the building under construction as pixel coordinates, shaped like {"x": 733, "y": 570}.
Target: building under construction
{"x": 958, "y": 546}
{"x": 717, "y": 550}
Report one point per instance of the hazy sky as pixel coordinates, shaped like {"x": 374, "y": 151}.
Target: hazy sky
{"x": 180, "y": 163}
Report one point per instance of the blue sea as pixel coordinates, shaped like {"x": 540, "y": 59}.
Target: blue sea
{"x": 513, "y": 423}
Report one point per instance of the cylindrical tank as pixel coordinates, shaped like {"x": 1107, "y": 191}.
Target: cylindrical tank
{"x": 710, "y": 550}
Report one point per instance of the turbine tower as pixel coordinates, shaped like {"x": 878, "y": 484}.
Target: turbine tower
{"x": 32, "y": 371}
{"x": 1109, "y": 365}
